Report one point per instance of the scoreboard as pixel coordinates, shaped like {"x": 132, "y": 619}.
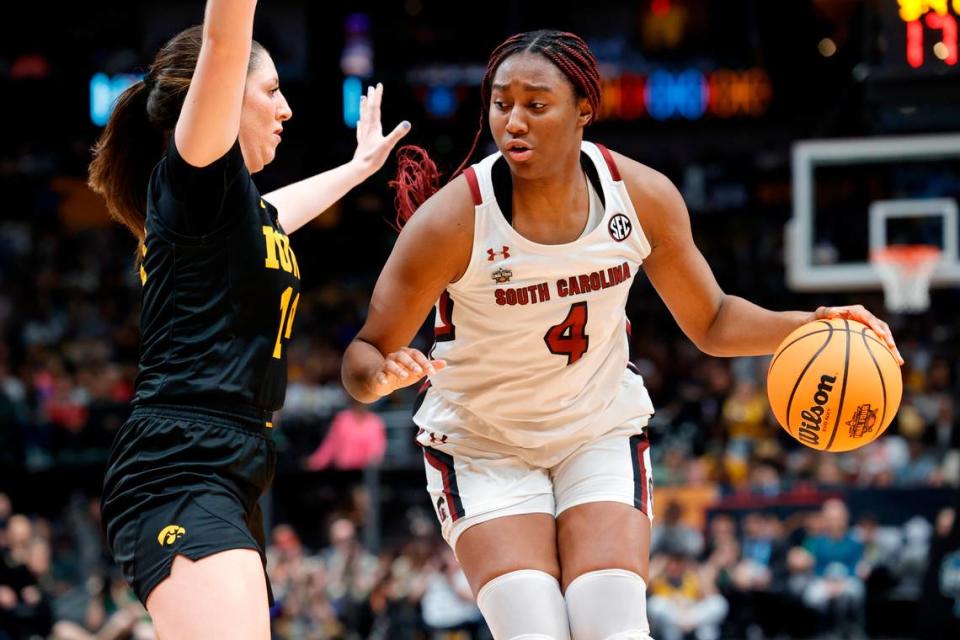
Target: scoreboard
{"x": 920, "y": 37}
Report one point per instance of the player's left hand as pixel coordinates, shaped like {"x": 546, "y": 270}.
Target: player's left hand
{"x": 372, "y": 146}
{"x": 860, "y": 314}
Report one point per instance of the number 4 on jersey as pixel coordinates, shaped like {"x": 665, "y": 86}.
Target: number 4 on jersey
{"x": 569, "y": 338}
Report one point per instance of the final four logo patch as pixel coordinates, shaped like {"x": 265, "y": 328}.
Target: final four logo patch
{"x": 620, "y": 227}
{"x": 501, "y": 275}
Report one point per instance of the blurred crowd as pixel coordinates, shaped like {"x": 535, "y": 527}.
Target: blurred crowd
{"x": 814, "y": 573}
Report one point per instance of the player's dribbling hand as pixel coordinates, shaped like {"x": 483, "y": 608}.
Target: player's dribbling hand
{"x": 373, "y": 147}
{"x": 860, "y": 314}
{"x": 401, "y": 369}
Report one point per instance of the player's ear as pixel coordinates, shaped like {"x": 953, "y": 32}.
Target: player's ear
{"x": 586, "y": 114}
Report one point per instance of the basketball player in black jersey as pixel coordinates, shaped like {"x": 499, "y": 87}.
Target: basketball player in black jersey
{"x": 221, "y": 286}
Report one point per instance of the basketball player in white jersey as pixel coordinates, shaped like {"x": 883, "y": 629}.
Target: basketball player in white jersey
{"x": 532, "y": 423}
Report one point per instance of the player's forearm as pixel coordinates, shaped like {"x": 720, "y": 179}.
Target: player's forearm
{"x": 229, "y": 23}
{"x": 361, "y": 361}
{"x": 300, "y": 202}
{"x": 741, "y": 328}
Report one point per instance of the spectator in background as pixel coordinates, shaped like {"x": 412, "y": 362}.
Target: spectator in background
{"x": 937, "y": 615}
{"x": 757, "y": 551}
{"x": 683, "y": 601}
{"x": 796, "y": 616}
{"x": 448, "y": 602}
{"x": 914, "y": 555}
{"x": 754, "y": 598}
{"x": 721, "y": 531}
{"x": 13, "y": 418}
{"x": 397, "y": 598}
{"x": 113, "y": 613}
{"x": 351, "y": 574}
{"x": 24, "y": 607}
{"x": 357, "y": 438}
{"x": 881, "y": 553}
{"x": 674, "y": 532}
{"x": 286, "y": 563}
{"x": 837, "y": 592}
{"x": 302, "y": 608}
{"x": 745, "y": 416}
{"x": 936, "y": 405}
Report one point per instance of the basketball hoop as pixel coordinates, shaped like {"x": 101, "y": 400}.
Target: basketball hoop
{"x": 905, "y": 270}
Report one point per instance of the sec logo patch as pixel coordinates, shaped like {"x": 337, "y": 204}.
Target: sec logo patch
{"x": 620, "y": 227}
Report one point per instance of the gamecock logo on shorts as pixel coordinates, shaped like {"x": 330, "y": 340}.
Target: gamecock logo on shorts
{"x": 441, "y": 509}
{"x": 620, "y": 227}
{"x": 170, "y": 534}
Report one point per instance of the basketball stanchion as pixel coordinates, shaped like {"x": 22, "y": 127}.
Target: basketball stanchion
{"x": 905, "y": 271}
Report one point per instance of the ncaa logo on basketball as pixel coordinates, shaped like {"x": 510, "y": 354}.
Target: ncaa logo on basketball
{"x": 864, "y": 418}
{"x": 620, "y": 227}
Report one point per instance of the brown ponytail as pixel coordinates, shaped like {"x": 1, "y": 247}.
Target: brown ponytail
{"x": 137, "y": 132}
{"x": 123, "y": 158}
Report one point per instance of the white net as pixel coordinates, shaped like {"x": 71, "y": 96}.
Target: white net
{"x": 905, "y": 271}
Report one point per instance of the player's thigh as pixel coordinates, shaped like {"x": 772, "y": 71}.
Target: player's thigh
{"x": 604, "y": 494}
{"x": 222, "y": 596}
{"x": 495, "y": 509}
{"x": 512, "y": 543}
{"x": 602, "y": 535}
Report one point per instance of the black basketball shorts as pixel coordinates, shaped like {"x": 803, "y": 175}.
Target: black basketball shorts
{"x": 185, "y": 481}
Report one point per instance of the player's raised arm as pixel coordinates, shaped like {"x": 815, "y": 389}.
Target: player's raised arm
{"x": 209, "y": 121}
{"x": 301, "y": 202}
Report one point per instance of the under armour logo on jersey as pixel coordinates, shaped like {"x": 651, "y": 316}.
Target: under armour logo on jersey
{"x": 491, "y": 254}
{"x": 434, "y": 439}
{"x": 620, "y": 227}
{"x": 502, "y": 275}
{"x": 170, "y": 534}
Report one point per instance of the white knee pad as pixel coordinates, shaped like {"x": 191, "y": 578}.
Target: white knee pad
{"x": 524, "y": 605}
{"x": 608, "y": 605}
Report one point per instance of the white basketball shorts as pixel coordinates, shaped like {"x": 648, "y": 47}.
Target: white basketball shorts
{"x": 472, "y": 479}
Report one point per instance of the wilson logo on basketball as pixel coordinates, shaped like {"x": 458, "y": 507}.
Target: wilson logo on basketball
{"x": 170, "y": 534}
{"x": 812, "y": 418}
{"x": 620, "y": 227}
{"x": 862, "y": 421}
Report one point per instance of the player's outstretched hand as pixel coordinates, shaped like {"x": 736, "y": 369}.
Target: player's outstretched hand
{"x": 372, "y": 146}
{"x": 860, "y": 314}
{"x": 403, "y": 368}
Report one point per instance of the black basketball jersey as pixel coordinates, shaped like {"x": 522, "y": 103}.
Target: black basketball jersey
{"x": 221, "y": 287}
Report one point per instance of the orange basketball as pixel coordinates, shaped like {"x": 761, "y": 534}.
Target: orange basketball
{"x": 834, "y": 385}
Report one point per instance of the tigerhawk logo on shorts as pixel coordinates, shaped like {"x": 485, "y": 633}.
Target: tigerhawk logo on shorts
{"x": 170, "y": 534}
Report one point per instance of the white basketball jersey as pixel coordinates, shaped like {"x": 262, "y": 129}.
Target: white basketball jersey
{"x": 534, "y": 335}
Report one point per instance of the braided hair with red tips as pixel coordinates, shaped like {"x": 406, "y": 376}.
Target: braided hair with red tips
{"x": 417, "y": 175}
